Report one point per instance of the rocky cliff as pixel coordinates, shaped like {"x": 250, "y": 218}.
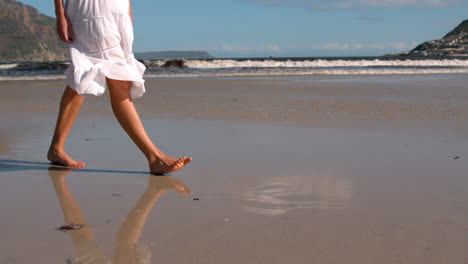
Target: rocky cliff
{"x": 28, "y": 35}
{"x": 455, "y": 43}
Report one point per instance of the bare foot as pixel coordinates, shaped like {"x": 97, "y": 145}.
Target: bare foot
{"x": 168, "y": 164}
{"x": 61, "y": 158}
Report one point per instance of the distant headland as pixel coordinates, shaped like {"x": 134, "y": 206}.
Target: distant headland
{"x": 455, "y": 43}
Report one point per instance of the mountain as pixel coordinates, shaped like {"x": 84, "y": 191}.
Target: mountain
{"x": 164, "y": 55}
{"x": 28, "y": 35}
{"x": 463, "y": 27}
{"x": 455, "y": 43}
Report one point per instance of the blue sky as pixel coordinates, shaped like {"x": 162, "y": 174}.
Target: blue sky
{"x": 256, "y": 28}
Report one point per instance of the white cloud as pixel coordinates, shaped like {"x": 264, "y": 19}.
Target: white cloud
{"x": 234, "y": 48}
{"x": 399, "y": 46}
{"x": 392, "y": 3}
{"x": 339, "y": 46}
{"x": 275, "y": 48}
{"x": 394, "y": 46}
{"x": 319, "y": 4}
{"x": 240, "y": 48}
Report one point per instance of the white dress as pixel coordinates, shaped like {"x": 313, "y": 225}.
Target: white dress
{"x": 102, "y": 46}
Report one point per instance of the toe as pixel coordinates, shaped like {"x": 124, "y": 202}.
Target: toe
{"x": 187, "y": 160}
{"x": 179, "y": 164}
{"x": 75, "y": 164}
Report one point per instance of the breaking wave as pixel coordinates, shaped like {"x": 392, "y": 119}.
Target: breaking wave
{"x": 257, "y": 67}
{"x": 7, "y": 66}
{"x": 308, "y": 72}
{"x": 216, "y": 64}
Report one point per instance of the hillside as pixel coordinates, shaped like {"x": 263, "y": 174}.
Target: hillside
{"x": 455, "y": 43}
{"x": 463, "y": 27}
{"x": 28, "y": 35}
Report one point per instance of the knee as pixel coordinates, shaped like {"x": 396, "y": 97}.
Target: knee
{"x": 118, "y": 84}
{"x": 118, "y": 88}
{"x": 72, "y": 94}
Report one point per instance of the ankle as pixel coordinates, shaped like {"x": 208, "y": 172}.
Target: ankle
{"x": 154, "y": 156}
{"x": 56, "y": 149}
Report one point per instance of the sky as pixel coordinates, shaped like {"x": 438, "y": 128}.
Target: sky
{"x": 288, "y": 28}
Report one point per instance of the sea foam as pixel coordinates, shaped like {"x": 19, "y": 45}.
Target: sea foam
{"x": 217, "y": 64}
{"x": 259, "y": 67}
{"x": 7, "y": 66}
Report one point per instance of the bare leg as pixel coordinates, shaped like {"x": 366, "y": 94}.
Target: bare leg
{"x": 127, "y": 115}
{"x": 69, "y": 109}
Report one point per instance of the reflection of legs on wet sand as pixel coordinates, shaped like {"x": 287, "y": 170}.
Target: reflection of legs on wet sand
{"x": 132, "y": 226}
{"x": 126, "y": 250}
{"x": 87, "y": 249}
{"x": 71, "y": 210}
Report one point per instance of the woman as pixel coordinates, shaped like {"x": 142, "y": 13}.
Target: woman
{"x": 100, "y": 35}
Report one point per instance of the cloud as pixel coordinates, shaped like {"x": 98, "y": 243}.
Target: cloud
{"x": 234, "y": 48}
{"x": 369, "y": 17}
{"x": 398, "y": 46}
{"x": 392, "y": 3}
{"x": 339, "y": 46}
{"x": 321, "y": 4}
{"x": 237, "y": 48}
{"x": 275, "y": 48}
{"x": 394, "y": 46}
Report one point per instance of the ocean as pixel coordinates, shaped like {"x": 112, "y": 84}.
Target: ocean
{"x": 307, "y": 67}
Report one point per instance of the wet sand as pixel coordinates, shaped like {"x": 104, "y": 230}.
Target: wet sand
{"x": 284, "y": 171}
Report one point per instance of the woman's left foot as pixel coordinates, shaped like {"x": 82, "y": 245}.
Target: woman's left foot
{"x": 168, "y": 165}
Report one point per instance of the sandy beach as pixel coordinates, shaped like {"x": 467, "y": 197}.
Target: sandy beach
{"x": 302, "y": 170}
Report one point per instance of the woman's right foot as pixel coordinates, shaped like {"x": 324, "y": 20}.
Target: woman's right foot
{"x": 61, "y": 158}
{"x": 168, "y": 165}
